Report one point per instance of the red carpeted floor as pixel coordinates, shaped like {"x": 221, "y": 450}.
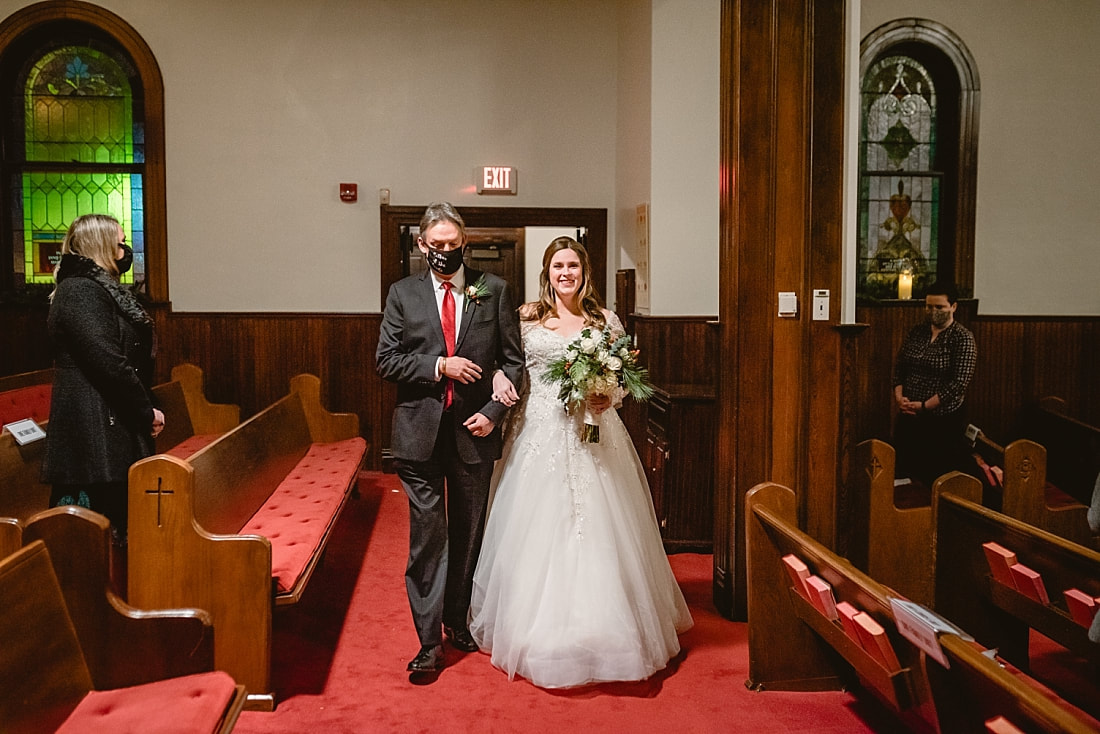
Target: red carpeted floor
{"x": 339, "y": 663}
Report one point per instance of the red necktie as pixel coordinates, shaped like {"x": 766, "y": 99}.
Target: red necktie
{"x": 449, "y": 335}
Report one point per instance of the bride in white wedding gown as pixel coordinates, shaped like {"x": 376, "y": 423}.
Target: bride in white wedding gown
{"x": 572, "y": 585}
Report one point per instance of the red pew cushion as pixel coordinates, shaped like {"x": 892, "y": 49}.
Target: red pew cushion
{"x": 298, "y": 513}
{"x": 189, "y": 446}
{"x": 185, "y": 705}
{"x": 32, "y": 401}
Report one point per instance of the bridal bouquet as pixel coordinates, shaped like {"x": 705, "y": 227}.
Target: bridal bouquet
{"x": 596, "y": 364}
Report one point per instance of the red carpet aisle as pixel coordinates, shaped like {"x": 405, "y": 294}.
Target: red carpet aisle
{"x": 341, "y": 653}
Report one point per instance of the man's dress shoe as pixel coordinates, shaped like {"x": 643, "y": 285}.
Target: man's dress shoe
{"x": 428, "y": 660}
{"x": 461, "y": 638}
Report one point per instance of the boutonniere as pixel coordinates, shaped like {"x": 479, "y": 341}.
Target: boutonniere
{"x": 477, "y": 291}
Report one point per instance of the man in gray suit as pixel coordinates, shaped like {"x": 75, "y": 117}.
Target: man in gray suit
{"x": 444, "y": 332}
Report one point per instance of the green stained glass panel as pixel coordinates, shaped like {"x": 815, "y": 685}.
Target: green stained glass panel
{"x": 78, "y": 108}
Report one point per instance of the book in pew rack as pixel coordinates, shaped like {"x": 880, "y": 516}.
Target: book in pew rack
{"x": 1001, "y": 560}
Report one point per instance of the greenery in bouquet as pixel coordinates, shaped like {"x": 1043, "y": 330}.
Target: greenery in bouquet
{"x": 595, "y": 363}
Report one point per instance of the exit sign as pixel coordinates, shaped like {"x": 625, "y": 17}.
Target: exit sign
{"x": 496, "y": 180}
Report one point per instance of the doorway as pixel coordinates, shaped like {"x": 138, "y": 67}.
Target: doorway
{"x": 489, "y": 228}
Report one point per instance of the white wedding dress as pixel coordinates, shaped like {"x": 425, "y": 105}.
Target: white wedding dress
{"x": 572, "y": 585}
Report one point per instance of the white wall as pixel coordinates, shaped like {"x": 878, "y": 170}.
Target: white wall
{"x": 685, "y": 141}
{"x": 272, "y": 103}
{"x": 1037, "y": 218}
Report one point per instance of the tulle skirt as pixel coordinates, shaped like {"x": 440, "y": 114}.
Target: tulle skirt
{"x": 573, "y": 585}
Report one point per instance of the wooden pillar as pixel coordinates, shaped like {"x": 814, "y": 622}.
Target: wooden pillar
{"x": 781, "y": 179}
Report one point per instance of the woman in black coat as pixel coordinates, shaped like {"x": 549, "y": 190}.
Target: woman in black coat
{"x": 102, "y": 417}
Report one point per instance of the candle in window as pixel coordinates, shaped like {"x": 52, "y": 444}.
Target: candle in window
{"x": 905, "y": 284}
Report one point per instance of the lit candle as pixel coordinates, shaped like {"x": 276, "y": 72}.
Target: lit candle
{"x": 905, "y": 284}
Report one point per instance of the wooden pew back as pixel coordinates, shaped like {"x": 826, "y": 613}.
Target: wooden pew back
{"x": 899, "y": 547}
{"x": 122, "y": 646}
{"x": 997, "y": 616}
{"x": 235, "y": 474}
{"x": 42, "y": 670}
{"x": 1073, "y": 448}
{"x": 976, "y": 689}
{"x": 794, "y": 647}
{"x": 11, "y": 535}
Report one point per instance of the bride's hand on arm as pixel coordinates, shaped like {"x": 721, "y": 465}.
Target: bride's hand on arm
{"x": 504, "y": 391}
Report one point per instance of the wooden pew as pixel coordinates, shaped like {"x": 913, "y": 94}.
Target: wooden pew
{"x": 122, "y": 645}
{"x": 47, "y": 683}
{"x": 792, "y": 646}
{"x": 26, "y": 395}
{"x": 977, "y": 688}
{"x": 213, "y": 532}
{"x": 1027, "y": 496}
{"x": 996, "y": 615}
{"x": 1073, "y": 447}
{"x": 11, "y": 535}
{"x": 191, "y": 421}
{"x": 899, "y": 539}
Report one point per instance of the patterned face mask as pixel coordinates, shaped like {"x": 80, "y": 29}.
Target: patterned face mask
{"x": 444, "y": 263}
{"x": 940, "y": 318}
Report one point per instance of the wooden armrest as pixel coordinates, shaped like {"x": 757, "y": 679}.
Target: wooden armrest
{"x": 123, "y": 645}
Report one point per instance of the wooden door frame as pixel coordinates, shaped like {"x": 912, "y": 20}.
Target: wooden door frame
{"x": 391, "y": 218}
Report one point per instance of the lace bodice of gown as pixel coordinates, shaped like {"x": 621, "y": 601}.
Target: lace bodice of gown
{"x": 540, "y": 404}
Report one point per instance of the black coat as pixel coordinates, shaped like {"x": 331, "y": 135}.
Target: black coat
{"x": 101, "y": 410}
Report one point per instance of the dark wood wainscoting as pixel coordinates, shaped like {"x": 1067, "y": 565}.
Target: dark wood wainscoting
{"x": 675, "y": 433}
{"x": 249, "y": 358}
{"x": 24, "y": 343}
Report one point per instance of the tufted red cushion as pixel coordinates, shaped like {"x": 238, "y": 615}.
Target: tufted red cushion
{"x": 186, "y": 705}
{"x": 297, "y": 514}
{"x": 189, "y": 446}
{"x": 32, "y": 401}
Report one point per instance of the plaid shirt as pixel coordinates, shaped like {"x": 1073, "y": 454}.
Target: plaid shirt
{"x": 942, "y": 367}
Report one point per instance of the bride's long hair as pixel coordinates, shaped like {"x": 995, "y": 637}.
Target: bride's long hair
{"x": 547, "y": 305}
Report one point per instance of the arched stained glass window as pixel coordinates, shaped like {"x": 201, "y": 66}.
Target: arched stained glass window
{"x": 82, "y": 104}
{"x": 79, "y": 110}
{"x": 899, "y": 186}
{"x": 919, "y": 94}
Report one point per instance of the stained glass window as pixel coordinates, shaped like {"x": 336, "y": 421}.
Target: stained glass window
{"x": 84, "y": 153}
{"x": 899, "y": 187}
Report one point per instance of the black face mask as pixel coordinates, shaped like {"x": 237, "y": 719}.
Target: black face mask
{"x": 126, "y": 261}
{"x": 444, "y": 263}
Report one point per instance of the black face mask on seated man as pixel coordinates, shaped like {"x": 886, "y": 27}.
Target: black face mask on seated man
{"x": 125, "y": 262}
{"x": 444, "y": 263}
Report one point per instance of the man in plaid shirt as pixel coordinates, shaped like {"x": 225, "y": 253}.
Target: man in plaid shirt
{"x": 934, "y": 367}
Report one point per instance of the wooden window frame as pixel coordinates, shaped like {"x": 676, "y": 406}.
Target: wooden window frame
{"x": 34, "y": 19}
{"x": 909, "y": 36}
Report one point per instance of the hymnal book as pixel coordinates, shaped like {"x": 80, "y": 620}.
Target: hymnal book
{"x": 1001, "y": 725}
{"x": 1082, "y": 607}
{"x": 1000, "y": 560}
{"x": 847, "y": 614}
{"x": 798, "y": 573}
{"x": 876, "y": 643}
{"x": 821, "y": 596}
{"x": 1030, "y": 583}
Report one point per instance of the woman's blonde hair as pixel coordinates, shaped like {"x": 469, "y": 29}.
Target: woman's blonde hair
{"x": 587, "y": 296}
{"x": 94, "y": 236}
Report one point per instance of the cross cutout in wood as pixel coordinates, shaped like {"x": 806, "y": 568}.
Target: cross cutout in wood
{"x": 159, "y": 492}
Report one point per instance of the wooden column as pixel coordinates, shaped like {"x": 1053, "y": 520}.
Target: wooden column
{"x": 781, "y": 177}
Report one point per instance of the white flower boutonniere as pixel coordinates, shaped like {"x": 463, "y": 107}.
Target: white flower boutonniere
{"x": 477, "y": 291}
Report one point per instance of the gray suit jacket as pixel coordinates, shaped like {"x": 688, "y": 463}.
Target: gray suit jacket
{"x": 410, "y": 345}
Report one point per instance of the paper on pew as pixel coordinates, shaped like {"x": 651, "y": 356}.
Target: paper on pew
{"x": 921, "y": 626}
{"x": 25, "y": 431}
